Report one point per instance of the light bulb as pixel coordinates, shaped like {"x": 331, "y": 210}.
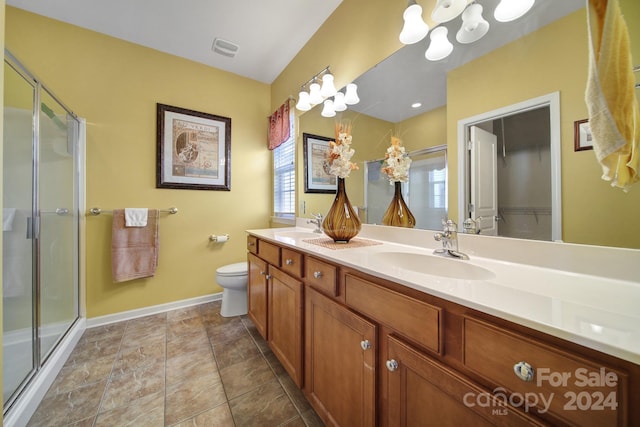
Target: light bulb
{"x": 351, "y": 95}
{"x": 303, "y": 101}
{"x": 446, "y": 10}
{"x": 474, "y": 26}
{"x": 338, "y": 102}
{"x": 440, "y": 46}
{"x": 510, "y": 10}
{"x": 315, "y": 97}
{"x": 328, "y": 89}
{"x": 414, "y": 29}
{"x": 328, "y": 110}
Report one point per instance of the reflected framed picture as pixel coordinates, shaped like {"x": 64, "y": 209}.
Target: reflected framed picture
{"x": 316, "y": 177}
{"x": 582, "y": 135}
{"x": 193, "y": 150}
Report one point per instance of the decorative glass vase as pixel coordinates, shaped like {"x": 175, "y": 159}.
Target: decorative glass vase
{"x": 341, "y": 222}
{"x": 398, "y": 213}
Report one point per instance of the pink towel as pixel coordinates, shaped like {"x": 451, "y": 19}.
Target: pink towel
{"x": 134, "y": 250}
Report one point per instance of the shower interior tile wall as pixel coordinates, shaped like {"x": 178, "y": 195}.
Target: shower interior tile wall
{"x": 188, "y": 367}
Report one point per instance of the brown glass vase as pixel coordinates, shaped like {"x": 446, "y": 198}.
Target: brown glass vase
{"x": 341, "y": 222}
{"x": 398, "y": 213}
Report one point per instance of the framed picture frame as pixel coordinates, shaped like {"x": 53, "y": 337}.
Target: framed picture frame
{"x": 193, "y": 150}
{"x": 582, "y": 135}
{"x": 316, "y": 178}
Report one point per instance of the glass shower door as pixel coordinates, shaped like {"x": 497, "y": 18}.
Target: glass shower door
{"x": 18, "y": 341}
{"x": 58, "y": 223}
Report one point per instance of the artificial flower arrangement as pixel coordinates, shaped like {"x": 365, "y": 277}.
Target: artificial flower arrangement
{"x": 397, "y": 162}
{"x": 340, "y": 152}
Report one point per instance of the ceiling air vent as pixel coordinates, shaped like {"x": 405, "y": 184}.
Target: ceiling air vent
{"x": 224, "y": 47}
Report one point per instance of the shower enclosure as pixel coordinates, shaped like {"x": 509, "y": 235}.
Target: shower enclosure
{"x": 425, "y": 192}
{"x": 40, "y": 228}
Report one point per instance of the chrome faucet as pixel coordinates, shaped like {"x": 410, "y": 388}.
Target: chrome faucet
{"x": 317, "y": 220}
{"x": 449, "y": 239}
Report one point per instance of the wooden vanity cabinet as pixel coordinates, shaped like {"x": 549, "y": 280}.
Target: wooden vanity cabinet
{"x": 285, "y": 321}
{"x": 424, "y": 392}
{"x": 257, "y": 293}
{"x": 275, "y": 302}
{"x": 375, "y": 352}
{"x": 340, "y": 354}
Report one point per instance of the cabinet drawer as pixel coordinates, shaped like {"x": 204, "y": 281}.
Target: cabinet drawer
{"x": 252, "y": 244}
{"x": 577, "y": 390}
{"x": 292, "y": 262}
{"x": 321, "y": 276}
{"x": 269, "y": 252}
{"x": 416, "y": 320}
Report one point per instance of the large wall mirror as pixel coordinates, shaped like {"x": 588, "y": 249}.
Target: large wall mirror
{"x": 546, "y": 189}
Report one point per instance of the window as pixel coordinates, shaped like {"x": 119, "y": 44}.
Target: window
{"x": 284, "y": 179}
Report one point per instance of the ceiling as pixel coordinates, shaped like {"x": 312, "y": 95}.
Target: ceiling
{"x": 388, "y": 89}
{"x": 269, "y": 33}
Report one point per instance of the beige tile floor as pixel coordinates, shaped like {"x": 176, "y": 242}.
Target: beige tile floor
{"x": 188, "y": 367}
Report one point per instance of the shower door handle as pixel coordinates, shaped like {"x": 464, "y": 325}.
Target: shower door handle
{"x": 32, "y": 228}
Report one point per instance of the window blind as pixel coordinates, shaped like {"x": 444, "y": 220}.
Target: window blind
{"x": 284, "y": 179}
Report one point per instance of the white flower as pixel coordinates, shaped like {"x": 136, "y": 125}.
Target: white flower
{"x": 340, "y": 153}
{"x": 397, "y": 162}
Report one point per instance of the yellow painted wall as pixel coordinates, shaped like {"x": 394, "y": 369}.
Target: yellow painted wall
{"x": 553, "y": 59}
{"x": 115, "y": 85}
{"x": 426, "y": 130}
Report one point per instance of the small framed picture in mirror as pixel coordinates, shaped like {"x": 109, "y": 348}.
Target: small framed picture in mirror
{"x": 582, "y": 134}
{"x": 316, "y": 177}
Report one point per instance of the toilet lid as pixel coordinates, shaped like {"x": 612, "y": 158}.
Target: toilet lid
{"x": 233, "y": 269}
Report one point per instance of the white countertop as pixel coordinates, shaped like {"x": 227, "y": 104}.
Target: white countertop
{"x": 597, "y": 312}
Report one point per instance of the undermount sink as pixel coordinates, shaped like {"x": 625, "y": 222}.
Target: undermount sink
{"x": 434, "y": 265}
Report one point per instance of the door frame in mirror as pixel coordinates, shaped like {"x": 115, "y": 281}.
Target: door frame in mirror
{"x": 552, "y": 101}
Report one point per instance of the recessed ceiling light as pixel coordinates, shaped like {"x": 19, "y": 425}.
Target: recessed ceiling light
{"x": 416, "y": 105}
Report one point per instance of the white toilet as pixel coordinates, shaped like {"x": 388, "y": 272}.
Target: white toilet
{"x": 233, "y": 280}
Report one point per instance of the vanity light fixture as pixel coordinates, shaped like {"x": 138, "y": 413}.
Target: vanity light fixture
{"x": 303, "y": 101}
{"x": 338, "y": 102}
{"x": 440, "y": 46}
{"x": 474, "y": 26}
{"x": 320, "y": 95}
{"x": 315, "y": 97}
{"x": 328, "y": 89}
{"x": 446, "y": 10}
{"x": 328, "y": 110}
{"x": 414, "y": 29}
{"x": 351, "y": 94}
{"x": 510, "y": 10}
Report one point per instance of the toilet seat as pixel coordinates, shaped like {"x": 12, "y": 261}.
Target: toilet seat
{"x": 237, "y": 269}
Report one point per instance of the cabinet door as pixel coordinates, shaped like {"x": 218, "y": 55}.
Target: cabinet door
{"x": 257, "y": 293}
{"x": 340, "y": 362}
{"x": 285, "y": 321}
{"x": 423, "y": 392}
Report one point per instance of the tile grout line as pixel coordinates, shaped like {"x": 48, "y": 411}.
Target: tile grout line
{"x": 106, "y": 386}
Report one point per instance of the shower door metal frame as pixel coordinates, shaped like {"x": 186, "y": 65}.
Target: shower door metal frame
{"x": 33, "y": 228}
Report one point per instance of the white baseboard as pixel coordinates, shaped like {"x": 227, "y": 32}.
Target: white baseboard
{"x": 154, "y": 309}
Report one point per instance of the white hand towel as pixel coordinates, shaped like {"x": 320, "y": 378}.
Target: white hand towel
{"x": 7, "y": 218}
{"x": 135, "y": 217}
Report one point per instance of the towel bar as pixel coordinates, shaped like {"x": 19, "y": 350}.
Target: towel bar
{"x": 98, "y": 211}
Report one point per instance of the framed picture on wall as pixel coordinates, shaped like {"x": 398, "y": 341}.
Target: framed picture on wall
{"x": 316, "y": 177}
{"x": 193, "y": 150}
{"x": 582, "y": 134}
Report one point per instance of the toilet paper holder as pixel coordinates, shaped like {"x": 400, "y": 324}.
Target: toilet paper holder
{"x": 219, "y": 239}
